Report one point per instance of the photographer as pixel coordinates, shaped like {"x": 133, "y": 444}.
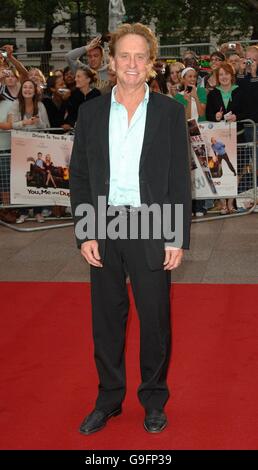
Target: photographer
{"x": 192, "y": 97}
{"x": 56, "y": 102}
{"x": 173, "y": 76}
{"x": 6, "y": 57}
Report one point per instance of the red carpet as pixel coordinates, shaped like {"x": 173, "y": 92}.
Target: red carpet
{"x": 48, "y": 380}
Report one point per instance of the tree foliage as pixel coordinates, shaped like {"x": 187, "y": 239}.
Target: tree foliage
{"x": 185, "y": 20}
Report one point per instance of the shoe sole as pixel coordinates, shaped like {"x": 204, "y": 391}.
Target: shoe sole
{"x": 113, "y": 414}
{"x": 155, "y": 432}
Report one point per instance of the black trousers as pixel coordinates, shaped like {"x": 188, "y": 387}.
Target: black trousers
{"x": 226, "y": 158}
{"x": 110, "y": 305}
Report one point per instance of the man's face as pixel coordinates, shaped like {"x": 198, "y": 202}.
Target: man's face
{"x": 252, "y": 54}
{"x": 94, "y": 58}
{"x": 234, "y": 60}
{"x": 69, "y": 78}
{"x": 131, "y": 62}
{"x": 190, "y": 61}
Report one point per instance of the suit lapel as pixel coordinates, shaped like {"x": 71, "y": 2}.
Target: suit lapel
{"x": 104, "y": 132}
{"x": 152, "y": 121}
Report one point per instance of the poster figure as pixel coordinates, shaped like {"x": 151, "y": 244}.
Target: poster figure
{"x": 40, "y": 168}
{"x": 202, "y": 184}
{"x": 214, "y": 151}
{"x": 220, "y": 153}
{"x": 116, "y": 14}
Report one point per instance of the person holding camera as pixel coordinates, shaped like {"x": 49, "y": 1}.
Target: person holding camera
{"x": 173, "y": 77}
{"x": 56, "y": 102}
{"x": 10, "y": 85}
{"x": 193, "y": 97}
{"x": 7, "y": 58}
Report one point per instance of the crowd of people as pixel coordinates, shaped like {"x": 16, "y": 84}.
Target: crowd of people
{"x": 29, "y": 100}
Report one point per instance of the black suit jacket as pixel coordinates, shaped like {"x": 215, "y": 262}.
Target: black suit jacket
{"x": 164, "y": 170}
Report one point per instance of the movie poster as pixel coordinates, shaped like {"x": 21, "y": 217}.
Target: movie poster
{"x": 213, "y": 159}
{"x": 40, "y": 168}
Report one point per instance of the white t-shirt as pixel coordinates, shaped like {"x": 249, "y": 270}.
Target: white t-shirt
{"x": 194, "y": 110}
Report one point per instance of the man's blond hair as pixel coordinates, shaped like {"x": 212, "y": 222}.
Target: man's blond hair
{"x": 135, "y": 28}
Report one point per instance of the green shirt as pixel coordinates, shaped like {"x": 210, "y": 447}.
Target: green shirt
{"x": 226, "y": 95}
{"x": 202, "y": 95}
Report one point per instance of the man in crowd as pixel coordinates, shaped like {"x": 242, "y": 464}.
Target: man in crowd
{"x": 95, "y": 55}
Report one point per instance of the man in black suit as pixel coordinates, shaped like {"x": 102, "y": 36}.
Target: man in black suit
{"x": 131, "y": 148}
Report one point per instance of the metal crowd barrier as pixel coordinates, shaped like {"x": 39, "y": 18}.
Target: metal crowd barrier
{"x": 5, "y": 159}
{"x": 246, "y": 172}
{"x": 247, "y": 178}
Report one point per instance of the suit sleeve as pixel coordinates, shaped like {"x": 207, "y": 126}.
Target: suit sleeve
{"x": 80, "y": 190}
{"x": 179, "y": 177}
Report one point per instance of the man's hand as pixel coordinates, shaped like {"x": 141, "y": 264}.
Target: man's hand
{"x": 9, "y": 49}
{"x": 242, "y": 65}
{"x": 93, "y": 43}
{"x": 219, "y": 115}
{"x": 253, "y": 68}
{"x": 231, "y": 118}
{"x": 173, "y": 258}
{"x": 90, "y": 251}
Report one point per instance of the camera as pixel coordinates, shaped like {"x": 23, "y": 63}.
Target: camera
{"x": 249, "y": 61}
{"x": 232, "y": 45}
{"x": 3, "y": 53}
{"x": 6, "y": 73}
{"x": 62, "y": 90}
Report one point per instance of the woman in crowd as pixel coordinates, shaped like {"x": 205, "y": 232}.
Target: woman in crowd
{"x": 158, "y": 84}
{"x": 5, "y": 151}
{"x": 226, "y": 102}
{"x": 58, "y": 73}
{"x": 56, "y": 102}
{"x": 48, "y": 166}
{"x": 192, "y": 97}
{"x": 84, "y": 78}
{"x": 9, "y": 89}
{"x": 210, "y": 81}
{"x": 27, "y": 112}
{"x": 173, "y": 77}
{"x": 38, "y": 77}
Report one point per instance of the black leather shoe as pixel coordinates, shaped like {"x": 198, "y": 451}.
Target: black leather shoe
{"x": 155, "y": 420}
{"x": 96, "y": 420}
